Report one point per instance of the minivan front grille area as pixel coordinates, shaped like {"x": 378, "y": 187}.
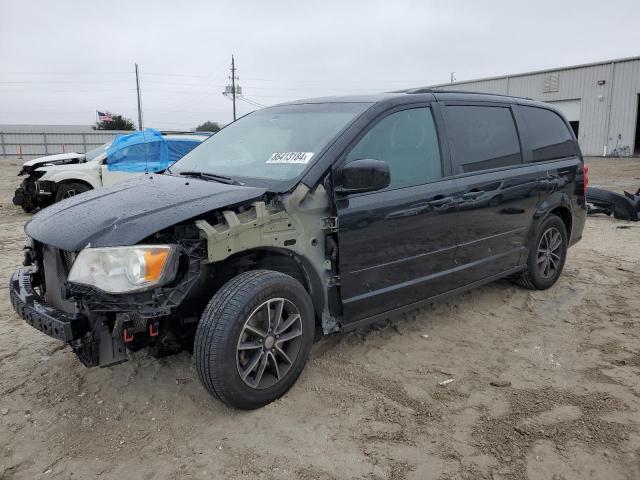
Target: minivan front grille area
{"x": 56, "y": 264}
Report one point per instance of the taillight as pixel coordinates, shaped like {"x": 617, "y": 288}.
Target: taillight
{"x": 585, "y": 179}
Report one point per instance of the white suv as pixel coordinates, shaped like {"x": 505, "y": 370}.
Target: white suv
{"x": 56, "y": 177}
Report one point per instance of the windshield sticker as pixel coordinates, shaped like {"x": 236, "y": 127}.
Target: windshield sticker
{"x": 290, "y": 157}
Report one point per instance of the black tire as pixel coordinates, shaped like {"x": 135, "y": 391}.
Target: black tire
{"x": 535, "y": 276}
{"x": 68, "y": 190}
{"x": 225, "y": 324}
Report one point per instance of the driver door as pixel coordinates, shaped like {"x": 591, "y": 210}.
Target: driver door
{"x": 129, "y": 162}
{"x": 109, "y": 177}
{"x": 397, "y": 245}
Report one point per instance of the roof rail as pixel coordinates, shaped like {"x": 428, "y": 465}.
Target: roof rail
{"x": 184, "y": 132}
{"x": 440, "y": 90}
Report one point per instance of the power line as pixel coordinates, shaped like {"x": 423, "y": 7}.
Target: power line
{"x": 209, "y": 77}
{"x": 13, "y": 92}
{"x": 68, "y": 82}
{"x": 65, "y": 73}
{"x": 332, "y": 81}
{"x": 181, "y": 111}
{"x": 251, "y": 102}
{"x": 159, "y": 82}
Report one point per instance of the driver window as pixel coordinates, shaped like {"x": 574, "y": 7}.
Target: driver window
{"x": 408, "y": 142}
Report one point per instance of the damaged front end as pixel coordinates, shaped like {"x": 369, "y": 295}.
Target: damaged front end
{"x": 298, "y": 226}
{"x": 214, "y": 232}
{"x": 30, "y": 195}
{"x": 101, "y": 326}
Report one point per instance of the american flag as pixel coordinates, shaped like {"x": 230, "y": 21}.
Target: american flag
{"x": 104, "y": 117}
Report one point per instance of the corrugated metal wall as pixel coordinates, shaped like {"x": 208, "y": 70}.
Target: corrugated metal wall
{"x": 36, "y": 144}
{"x": 608, "y": 111}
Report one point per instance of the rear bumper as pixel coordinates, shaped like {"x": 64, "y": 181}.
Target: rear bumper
{"x": 36, "y": 312}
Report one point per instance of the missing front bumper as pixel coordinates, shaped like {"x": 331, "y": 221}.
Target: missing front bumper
{"x": 39, "y": 314}
{"x": 93, "y": 348}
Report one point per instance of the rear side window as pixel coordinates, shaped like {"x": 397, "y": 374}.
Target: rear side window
{"x": 482, "y": 138}
{"x": 548, "y": 135}
{"x": 408, "y": 142}
{"x": 140, "y": 157}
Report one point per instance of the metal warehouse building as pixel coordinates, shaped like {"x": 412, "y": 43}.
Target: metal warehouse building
{"x": 601, "y": 100}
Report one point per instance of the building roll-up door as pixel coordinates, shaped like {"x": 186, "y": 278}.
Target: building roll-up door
{"x": 571, "y": 110}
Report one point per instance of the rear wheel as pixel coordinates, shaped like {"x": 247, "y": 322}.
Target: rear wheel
{"x": 546, "y": 256}
{"x": 68, "y": 190}
{"x": 254, "y": 338}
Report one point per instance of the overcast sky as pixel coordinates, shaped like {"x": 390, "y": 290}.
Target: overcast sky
{"x": 62, "y": 60}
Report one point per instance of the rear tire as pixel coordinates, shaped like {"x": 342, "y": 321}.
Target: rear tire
{"x": 254, "y": 338}
{"x": 68, "y": 190}
{"x": 547, "y": 255}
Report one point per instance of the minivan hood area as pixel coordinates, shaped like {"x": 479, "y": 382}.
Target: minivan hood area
{"x": 128, "y": 212}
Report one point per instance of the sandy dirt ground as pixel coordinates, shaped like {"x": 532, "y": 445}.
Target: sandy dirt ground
{"x": 545, "y": 385}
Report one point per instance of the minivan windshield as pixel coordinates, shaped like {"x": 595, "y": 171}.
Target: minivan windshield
{"x": 275, "y": 143}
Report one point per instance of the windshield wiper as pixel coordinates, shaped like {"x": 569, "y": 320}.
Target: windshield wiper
{"x": 211, "y": 176}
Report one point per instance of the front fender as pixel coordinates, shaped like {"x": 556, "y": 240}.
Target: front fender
{"x": 92, "y": 177}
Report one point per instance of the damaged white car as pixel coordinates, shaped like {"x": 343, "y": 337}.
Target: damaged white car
{"x": 56, "y": 177}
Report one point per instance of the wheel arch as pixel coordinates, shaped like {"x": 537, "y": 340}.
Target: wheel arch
{"x": 68, "y": 181}
{"x": 567, "y": 218}
{"x": 279, "y": 260}
{"x": 559, "y": 204}
{"x": 85, "y": 176}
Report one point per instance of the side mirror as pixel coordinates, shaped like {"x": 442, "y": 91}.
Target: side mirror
{"x": 366, "y": 175}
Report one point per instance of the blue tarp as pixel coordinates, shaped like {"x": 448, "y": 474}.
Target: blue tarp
{"x": 146, "y": 151}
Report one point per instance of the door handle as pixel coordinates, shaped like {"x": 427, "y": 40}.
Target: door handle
{"x": 550, "y": 182}
{"x": 438, "y": 202}
{"x": 472, "y": 195}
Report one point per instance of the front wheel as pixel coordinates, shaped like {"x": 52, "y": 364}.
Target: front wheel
{"x": 68, "y": 190}
{"x": 254, "y": 338}
{"x": 547, "y": 255}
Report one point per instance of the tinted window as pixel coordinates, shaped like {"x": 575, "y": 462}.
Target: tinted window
{"x": 547, "y": 133}
{"x": 407, "y": 141}
{"x": 482, "y": 138}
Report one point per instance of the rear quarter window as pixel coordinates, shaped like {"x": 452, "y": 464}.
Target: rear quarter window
{"x": 547, "y": 134}
{"x": 482, "y": 138}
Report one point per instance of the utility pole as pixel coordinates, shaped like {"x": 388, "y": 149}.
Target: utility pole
{"x": 139, "y": 100}
{"x": 233, "y": 86}
{"x": 233, "y": 90}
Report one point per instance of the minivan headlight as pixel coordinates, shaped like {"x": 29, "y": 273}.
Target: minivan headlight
{"x": 125, "y": 269}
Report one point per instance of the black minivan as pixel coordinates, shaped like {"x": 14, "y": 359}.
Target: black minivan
{"x": 302, "y": 219}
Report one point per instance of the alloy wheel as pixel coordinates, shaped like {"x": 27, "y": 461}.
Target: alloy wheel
{"x": 269, "y": 343}
{"x": 550, "y": 252}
